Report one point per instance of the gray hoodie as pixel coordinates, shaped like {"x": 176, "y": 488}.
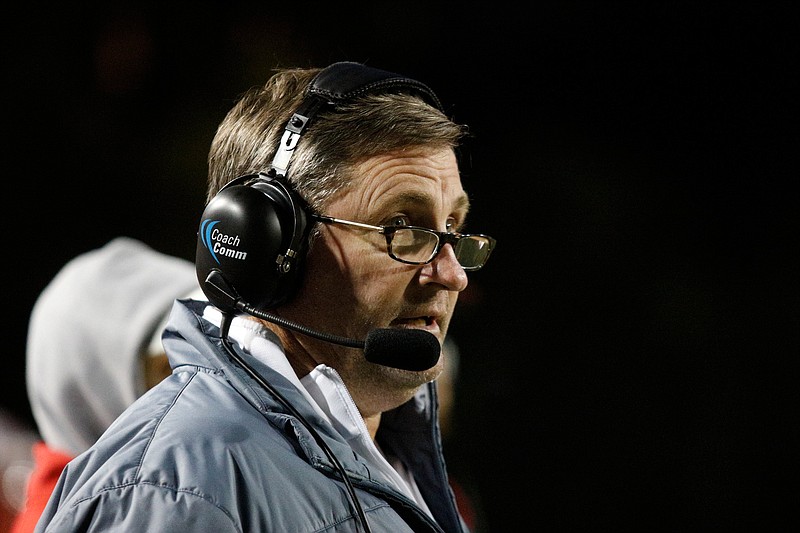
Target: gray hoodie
{"x": 88, "y": 332}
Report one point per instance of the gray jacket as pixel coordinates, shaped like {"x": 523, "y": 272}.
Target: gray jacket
{"x": 209, "y": 449}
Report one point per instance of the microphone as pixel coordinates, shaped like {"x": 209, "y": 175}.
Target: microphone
{"x": 405, "y": 349}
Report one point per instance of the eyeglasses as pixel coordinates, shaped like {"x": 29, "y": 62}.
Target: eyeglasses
{"x": 417, "y": 246}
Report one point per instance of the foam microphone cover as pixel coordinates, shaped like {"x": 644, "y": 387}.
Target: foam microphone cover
{"x": 406, "y": 349}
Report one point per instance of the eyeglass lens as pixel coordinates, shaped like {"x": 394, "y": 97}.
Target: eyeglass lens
{"x": 472, "y": 251}
{"x": 414, "y": 245}
{"x": 418, "y": 246}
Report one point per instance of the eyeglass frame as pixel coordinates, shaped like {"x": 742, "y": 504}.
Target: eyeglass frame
{"x": 443, "y": 237}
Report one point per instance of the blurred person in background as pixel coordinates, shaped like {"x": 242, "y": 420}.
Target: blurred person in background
{"x": 93, "y": 347}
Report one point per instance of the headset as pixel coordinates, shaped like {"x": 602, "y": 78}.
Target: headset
{"x": 254, "y": 232}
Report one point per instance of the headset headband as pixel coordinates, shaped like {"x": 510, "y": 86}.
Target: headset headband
{"x": 338, "y": 83}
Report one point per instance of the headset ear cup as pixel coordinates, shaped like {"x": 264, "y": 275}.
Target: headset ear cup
{"x": 245, "y": 233}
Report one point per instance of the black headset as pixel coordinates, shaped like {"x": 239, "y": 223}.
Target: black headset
{"x": 254, "y": 232}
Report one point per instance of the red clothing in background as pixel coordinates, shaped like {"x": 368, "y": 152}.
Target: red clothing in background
{"x": 47, "y": 468}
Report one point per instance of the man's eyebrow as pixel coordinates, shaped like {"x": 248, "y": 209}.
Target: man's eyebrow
{"x": 463, "y": 202}
{"x": 416, "y": 198}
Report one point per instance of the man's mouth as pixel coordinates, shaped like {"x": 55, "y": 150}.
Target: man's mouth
{"x": 418, "y": 322}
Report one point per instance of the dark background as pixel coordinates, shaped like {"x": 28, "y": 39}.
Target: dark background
{"x": 628, "y": 354}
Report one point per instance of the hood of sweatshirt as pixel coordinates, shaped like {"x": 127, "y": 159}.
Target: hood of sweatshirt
{"x": 89, "y": 331}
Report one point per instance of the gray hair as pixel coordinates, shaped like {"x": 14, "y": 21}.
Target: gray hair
{"x": 341, "y": 137}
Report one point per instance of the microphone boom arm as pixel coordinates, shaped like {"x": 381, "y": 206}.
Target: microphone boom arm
{"x": 335, "y": 339}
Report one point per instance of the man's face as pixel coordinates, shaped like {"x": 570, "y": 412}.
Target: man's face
{"x": 351, "y": 285}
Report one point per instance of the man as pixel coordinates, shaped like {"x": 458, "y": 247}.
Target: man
{"x": 304, "y": 398}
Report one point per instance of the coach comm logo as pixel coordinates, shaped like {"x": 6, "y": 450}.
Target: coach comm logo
{"x": 220, "y": 243}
